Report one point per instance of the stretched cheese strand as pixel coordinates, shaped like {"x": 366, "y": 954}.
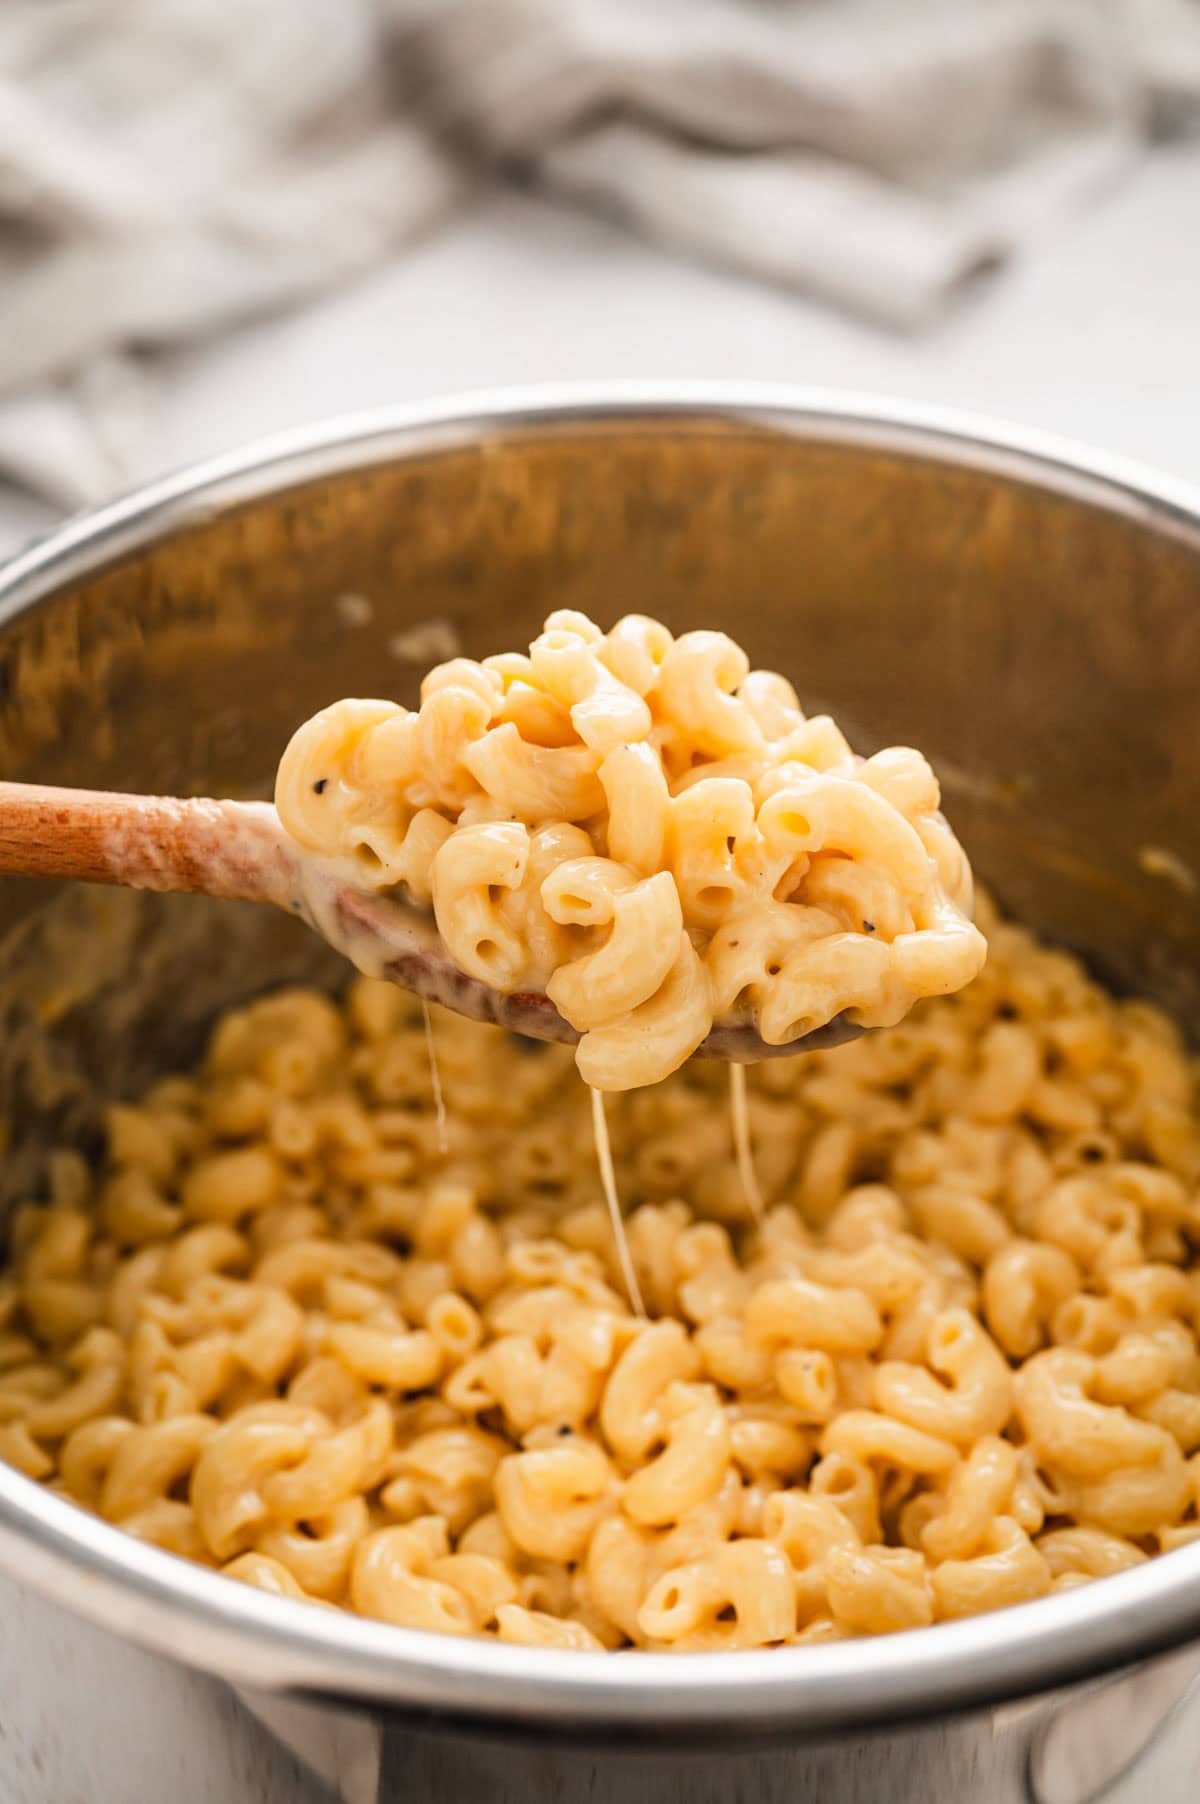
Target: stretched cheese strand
{"x": 435, "y": 1083}
{"x": 608, "y": 1180}
{"x": 743, "y": 1151}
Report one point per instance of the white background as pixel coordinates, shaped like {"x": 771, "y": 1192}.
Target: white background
{"x": 1095, "y": 335}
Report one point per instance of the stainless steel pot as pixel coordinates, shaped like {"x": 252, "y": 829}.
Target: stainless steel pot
{"x": 1029, "y": 616}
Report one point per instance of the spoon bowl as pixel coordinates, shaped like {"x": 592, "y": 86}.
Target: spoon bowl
{"x": 394, "y": 940}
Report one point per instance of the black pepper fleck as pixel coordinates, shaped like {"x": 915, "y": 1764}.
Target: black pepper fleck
{"x": 319, "y": 786}
{"x": 868, "y": 926}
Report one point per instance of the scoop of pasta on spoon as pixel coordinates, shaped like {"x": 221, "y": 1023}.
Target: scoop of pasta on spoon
{"x": 627, "y": 841}
{"x": 636, "y": 841}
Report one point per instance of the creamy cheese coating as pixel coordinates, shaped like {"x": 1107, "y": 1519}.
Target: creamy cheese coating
{"x": 286, "y": 1330}
{"x": 649, "y": 832}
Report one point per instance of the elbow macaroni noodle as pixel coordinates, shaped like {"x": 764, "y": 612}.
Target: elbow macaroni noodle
{"x": 649, "y": 832}
{"x": 283, "y": 1332}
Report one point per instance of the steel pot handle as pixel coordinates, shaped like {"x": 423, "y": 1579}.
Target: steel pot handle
{"x": 1126, "y": 1740}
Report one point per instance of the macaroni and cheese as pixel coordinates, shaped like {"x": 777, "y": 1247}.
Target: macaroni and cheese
{"x": 651, "y": 833}
{"x": 283, "y": 1331}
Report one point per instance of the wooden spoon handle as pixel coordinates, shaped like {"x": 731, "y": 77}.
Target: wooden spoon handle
{"x": 235, "y": 849}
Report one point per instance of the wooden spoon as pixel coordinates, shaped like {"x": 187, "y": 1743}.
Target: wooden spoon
{"x": 239, "y": 850}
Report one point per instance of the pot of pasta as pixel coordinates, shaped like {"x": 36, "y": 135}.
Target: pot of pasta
{"x": 748, "y": 1344}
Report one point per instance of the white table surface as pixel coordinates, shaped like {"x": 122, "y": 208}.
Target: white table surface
{"x": 1095, "y": 335}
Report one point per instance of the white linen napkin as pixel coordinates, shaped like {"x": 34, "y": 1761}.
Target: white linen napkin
{"x": 168, "y": 167}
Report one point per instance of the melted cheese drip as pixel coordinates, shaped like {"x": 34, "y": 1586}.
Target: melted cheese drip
{"x": 435, "y": 1083}
{"x": 743, "y": 1151}
{"x": 608, "y": 1180}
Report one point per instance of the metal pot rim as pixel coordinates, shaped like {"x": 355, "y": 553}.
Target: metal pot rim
{"x": 188, "y": 1612}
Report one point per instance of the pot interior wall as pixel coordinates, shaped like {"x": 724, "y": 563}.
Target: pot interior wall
{"x": 1043, "y": 649}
